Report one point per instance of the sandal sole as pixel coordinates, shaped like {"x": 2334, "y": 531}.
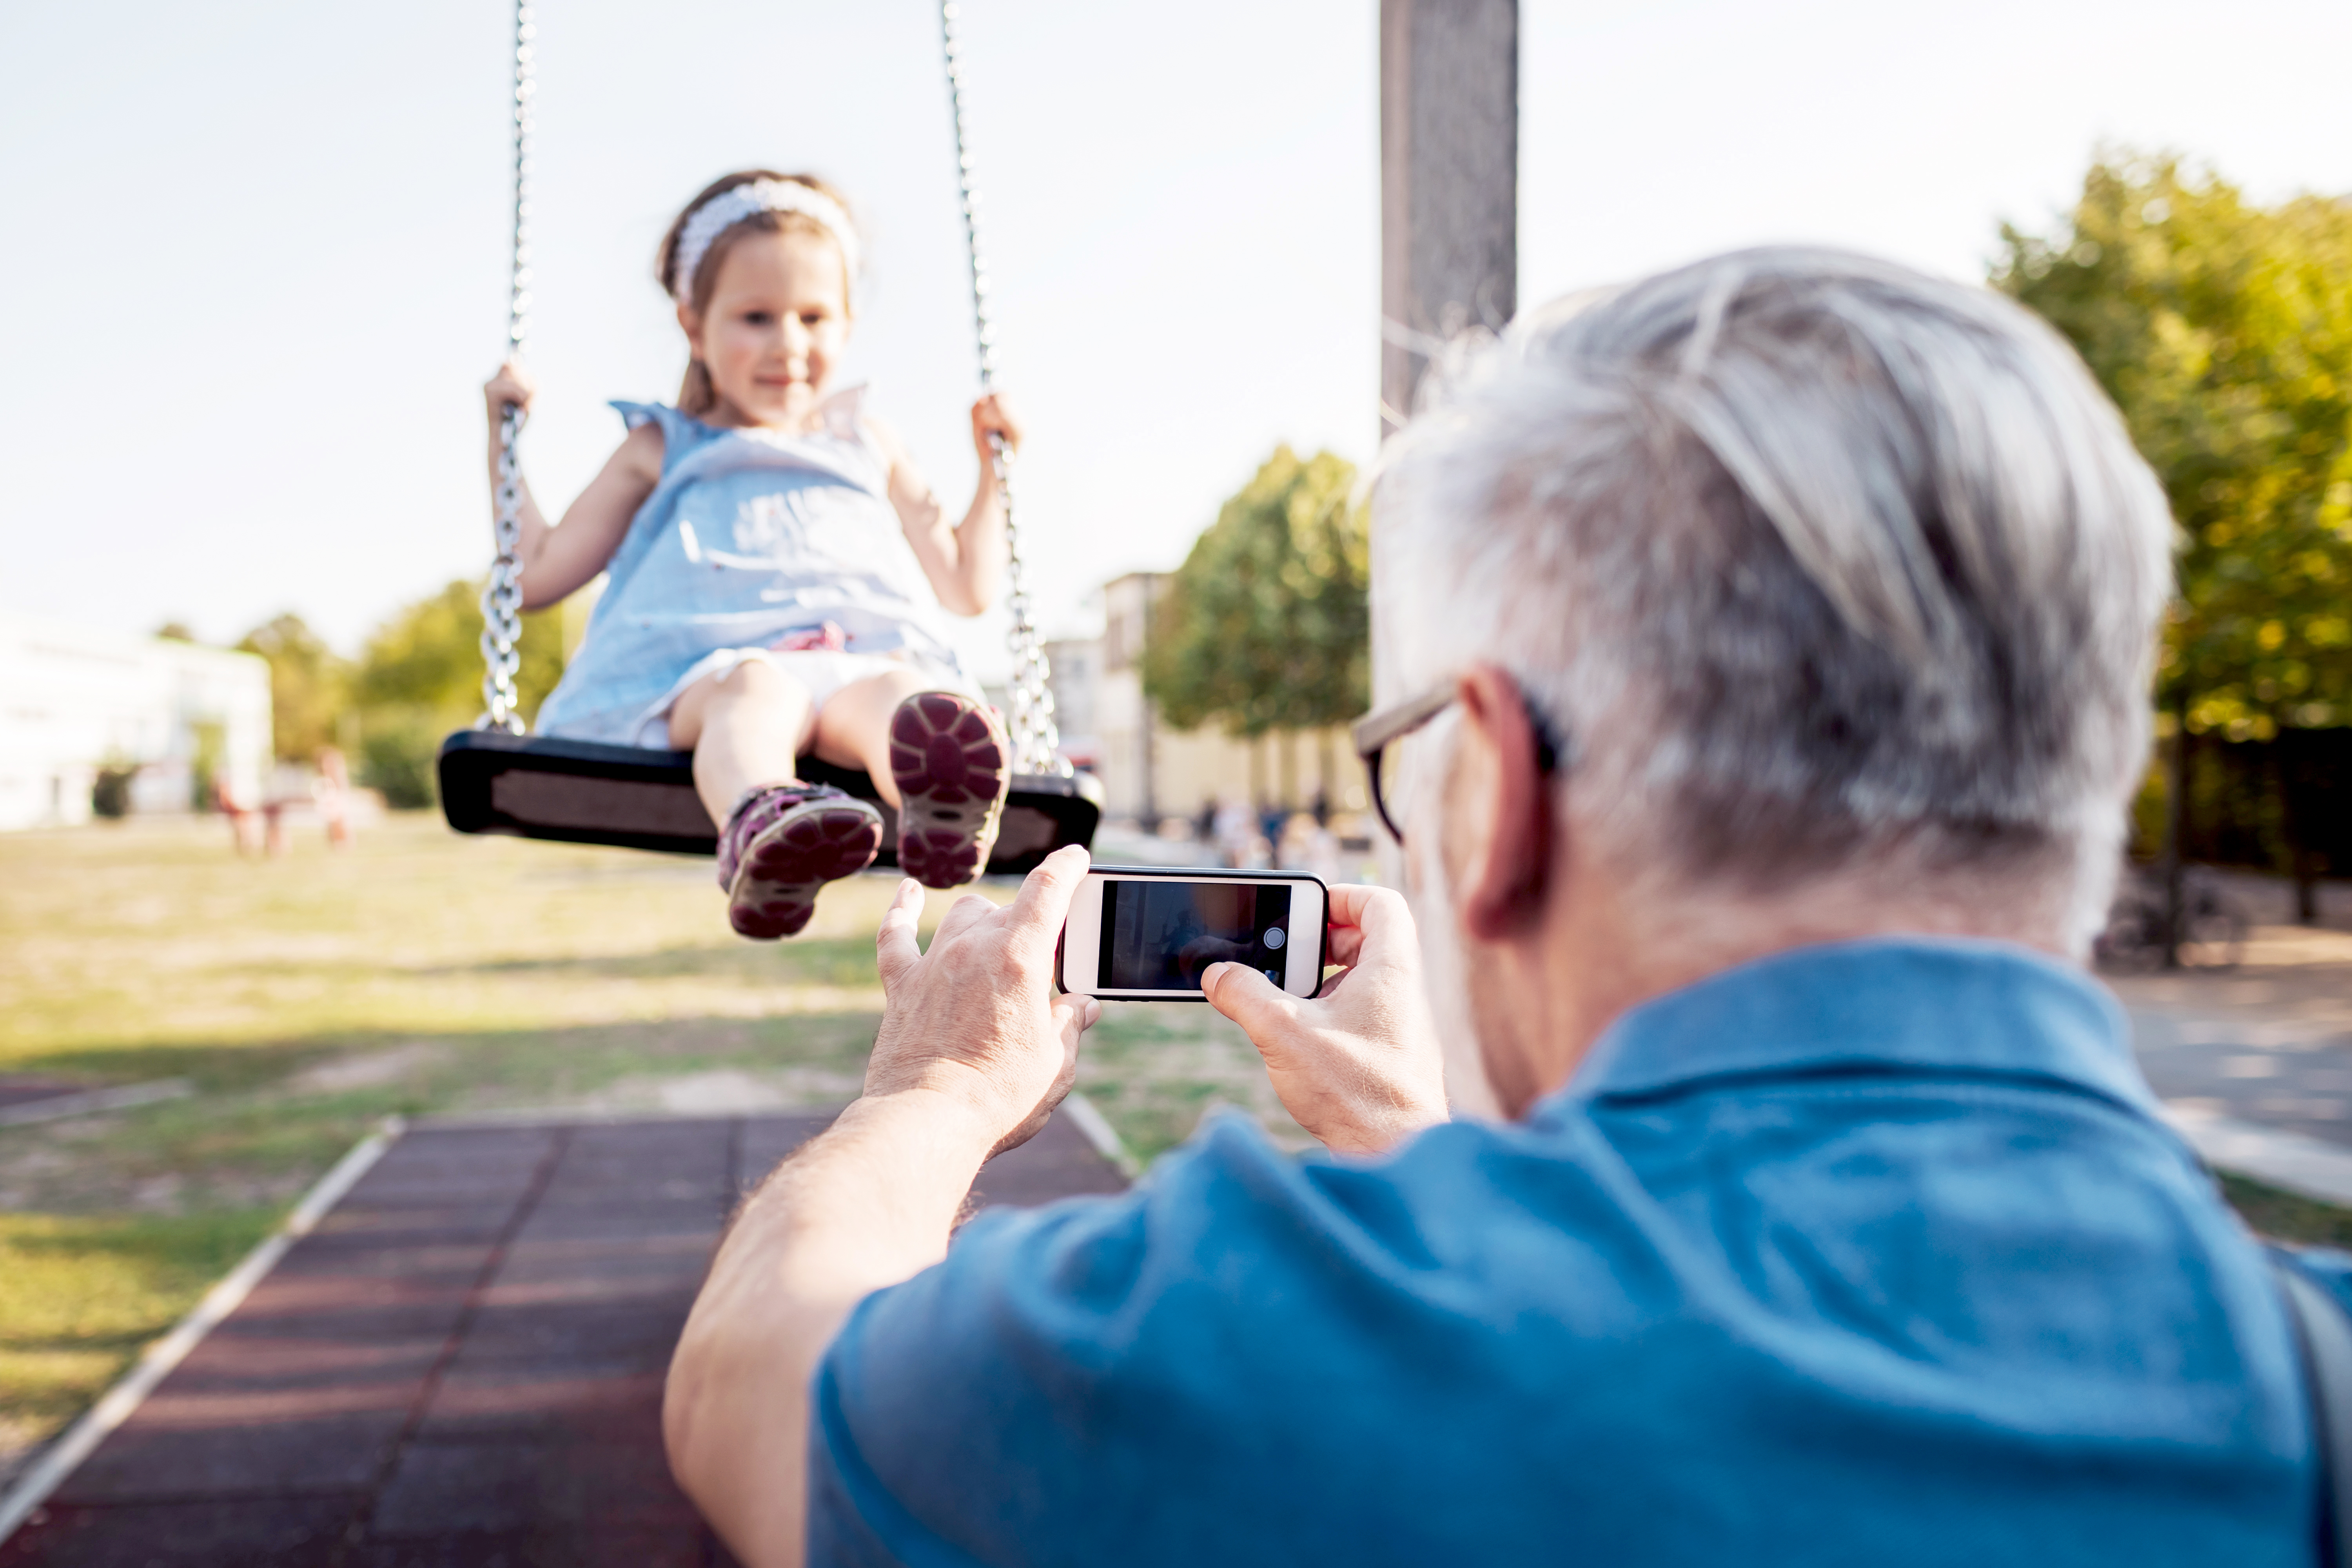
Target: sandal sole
{"x": 775, "y": 888}
{"x": 953, "y": 770}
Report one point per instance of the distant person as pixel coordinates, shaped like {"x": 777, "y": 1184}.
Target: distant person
{"x": 332, "y": 790}
{"x": 1270, "y": 819}
{"x": 775, "y": 566}
{"x": 1236, "y": 834}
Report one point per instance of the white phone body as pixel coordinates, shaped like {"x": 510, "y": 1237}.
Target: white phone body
{"x": 1161, "y": 931}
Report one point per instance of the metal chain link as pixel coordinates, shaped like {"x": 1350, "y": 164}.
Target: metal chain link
{"x": 502, "y": 598}
{"x": 1036, "y": 738}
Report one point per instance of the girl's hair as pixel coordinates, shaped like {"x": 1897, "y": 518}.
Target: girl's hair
{"x": 696, "y": 394}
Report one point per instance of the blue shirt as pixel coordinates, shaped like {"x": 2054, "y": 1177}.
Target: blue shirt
{"x": 1868, "y": 1254}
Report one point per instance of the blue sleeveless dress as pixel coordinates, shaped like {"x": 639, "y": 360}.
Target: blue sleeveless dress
{"x": 750, "y": 537}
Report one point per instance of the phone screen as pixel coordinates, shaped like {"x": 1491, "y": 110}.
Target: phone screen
{"x": 1158, "y": 934}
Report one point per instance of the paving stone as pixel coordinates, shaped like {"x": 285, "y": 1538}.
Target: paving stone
{"x": 227, "y": 1365}
{"x": 261, "y": 1447}
{"x": 574, "y": 1547}
{"x": 441, "y": 1489}
{"x": 477, "y": 1390}
{"x": 482, "y": 1400}
{"x": 636, "y": 1333}
{"x": 289, "y": 1533}
{"x": 1057, "y": 1163}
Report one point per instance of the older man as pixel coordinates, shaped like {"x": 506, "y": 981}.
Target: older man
{"x": 1774, "y": 635}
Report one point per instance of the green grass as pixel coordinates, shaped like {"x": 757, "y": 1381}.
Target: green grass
{"x": 2287, "y": 1217}
{"x": 80, "y": 1294}
{"x": 308, "y": 997}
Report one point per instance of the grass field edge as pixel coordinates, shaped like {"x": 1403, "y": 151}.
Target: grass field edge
{"x": 55, "y": 1463}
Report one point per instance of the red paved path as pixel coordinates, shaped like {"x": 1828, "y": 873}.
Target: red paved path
{"x": 462, "y": 1364}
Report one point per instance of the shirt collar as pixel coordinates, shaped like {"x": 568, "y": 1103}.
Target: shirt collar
{"x": 1899, "y": 1004}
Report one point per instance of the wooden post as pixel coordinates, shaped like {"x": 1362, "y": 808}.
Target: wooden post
{"x": 1449, "y": 180}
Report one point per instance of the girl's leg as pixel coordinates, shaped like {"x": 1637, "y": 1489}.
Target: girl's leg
{"x": 853, "y": 730}
{"x": 745, "y": 727}
{"x": 779, "y": 840}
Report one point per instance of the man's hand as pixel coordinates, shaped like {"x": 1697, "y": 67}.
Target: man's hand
{"x": 1359, "y": 1065}
{"x": 976, "y": 1018}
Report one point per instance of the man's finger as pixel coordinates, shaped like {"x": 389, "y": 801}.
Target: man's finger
{"x": 1073, "y": 1016}
{"x": 968, "y": 910}
{"x": 894, "y": 949}
{"x": 1248, "y": 998}
{"x": 1037, "y": 915}
{"x": 1381, "y": 918}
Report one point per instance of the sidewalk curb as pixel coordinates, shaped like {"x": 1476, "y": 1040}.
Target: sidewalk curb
{"x": 2292, "y": 1162}
{"x": 1101, "y": 1134}
{"x": 115, "y": 1406}
{"x": 57, "y": 1108}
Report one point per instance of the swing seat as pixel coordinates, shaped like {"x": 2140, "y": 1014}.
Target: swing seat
{"x": 583, "y": 792}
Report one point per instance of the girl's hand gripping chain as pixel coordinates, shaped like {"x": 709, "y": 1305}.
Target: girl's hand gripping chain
{"x": 513, "y": 384}
{"x": 992, "y": 419}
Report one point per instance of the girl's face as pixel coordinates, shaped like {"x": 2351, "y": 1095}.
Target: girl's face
{"x": 775, "y": 327}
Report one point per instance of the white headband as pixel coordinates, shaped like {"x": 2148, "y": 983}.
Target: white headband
{"x": 731, "y": 206}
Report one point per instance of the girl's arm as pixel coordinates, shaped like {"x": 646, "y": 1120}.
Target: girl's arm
{"x": 965, "y": 564}
{"x": 558, "y": 560}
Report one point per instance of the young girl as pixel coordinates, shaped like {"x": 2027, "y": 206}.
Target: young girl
{"x": 771, "y": 560}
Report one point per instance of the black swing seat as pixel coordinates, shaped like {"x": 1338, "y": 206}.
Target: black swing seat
{"x": 583, "y": 792}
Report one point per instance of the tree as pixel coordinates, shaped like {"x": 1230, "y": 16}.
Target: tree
{"x": 1266, "y": 624}
{"x": 2223, "y": 331}
{"x": 310, "y": 686}
{"x": 420, "y": 677}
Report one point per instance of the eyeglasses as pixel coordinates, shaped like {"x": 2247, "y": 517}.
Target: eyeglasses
{"x": 1376, "y": 735}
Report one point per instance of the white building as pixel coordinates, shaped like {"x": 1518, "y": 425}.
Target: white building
{"x": 73, "y": 701}
{"x": 1149, "y": 772}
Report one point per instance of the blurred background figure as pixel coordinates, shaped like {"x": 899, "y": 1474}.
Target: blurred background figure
{"x": 331, "y": 792}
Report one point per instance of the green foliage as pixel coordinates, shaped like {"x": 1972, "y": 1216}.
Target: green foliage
{"x": 421, "y": 677}
{"x": 397, "y": 749}
{"x": 109, "y": 792}
{"x": 310, "y": 685}
{"x": 1266, "y": 625}
{"x": 2223, "y": 331}
{"x": 429, "y": 655}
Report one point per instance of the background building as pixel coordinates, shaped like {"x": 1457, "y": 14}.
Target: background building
{"x": 173, "y": 715}
{"x": 1149, "y": 771}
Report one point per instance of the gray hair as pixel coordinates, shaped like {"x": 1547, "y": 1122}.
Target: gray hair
{"x": 1817, "y": 562}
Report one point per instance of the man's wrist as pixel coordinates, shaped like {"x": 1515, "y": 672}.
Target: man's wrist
{"x": 948, "y": 1124}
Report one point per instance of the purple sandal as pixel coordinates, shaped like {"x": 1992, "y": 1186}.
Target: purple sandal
{"x": 953, "y": 765}
{"x": 781, "y": 844}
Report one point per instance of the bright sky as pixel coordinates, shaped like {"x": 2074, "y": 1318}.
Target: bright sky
{"x": 257, "y": 248}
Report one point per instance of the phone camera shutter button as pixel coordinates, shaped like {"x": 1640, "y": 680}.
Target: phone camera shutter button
{"x": 1272, "y": 938}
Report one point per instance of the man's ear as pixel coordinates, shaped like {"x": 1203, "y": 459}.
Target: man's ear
{"x": 1500, "y": 876}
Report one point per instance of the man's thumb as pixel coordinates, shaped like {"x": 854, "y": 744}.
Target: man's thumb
{"x": 1245, "y": 995}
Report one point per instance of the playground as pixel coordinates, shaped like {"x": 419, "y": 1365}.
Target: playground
{"x": 288, "y": 1007}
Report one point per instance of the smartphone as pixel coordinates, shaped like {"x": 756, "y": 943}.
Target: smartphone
{"x": 1144, "y": 933}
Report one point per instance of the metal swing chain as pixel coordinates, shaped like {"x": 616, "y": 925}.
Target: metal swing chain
{"x": 502, "y": 598}
{"x": 1036, "y": 738}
